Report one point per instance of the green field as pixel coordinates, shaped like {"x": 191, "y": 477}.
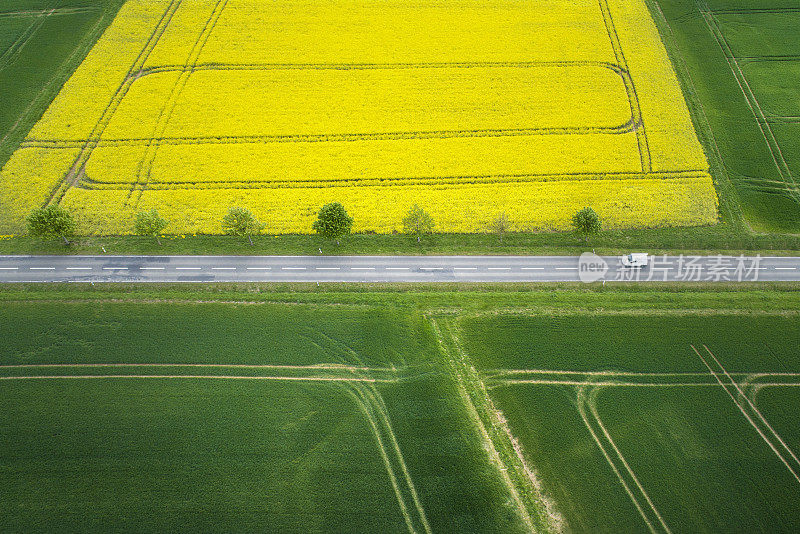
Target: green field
{"x": 464, "y": 409}
{"x": 740, "y": 64}
{"x": 288, "y": 418}
{"x": 628, "y": 428}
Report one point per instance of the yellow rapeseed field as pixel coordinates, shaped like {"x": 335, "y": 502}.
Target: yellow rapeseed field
{"x": 468, "y": 108}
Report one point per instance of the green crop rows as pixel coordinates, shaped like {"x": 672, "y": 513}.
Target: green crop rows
{"x": 477, "y": 410}
{"x": 287, "y": 418}
{"x": 629, "y": 429}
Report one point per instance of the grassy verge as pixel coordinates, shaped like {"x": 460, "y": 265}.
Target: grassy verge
{"x": 569, "y": 298}
{"x": 709, "y": 240}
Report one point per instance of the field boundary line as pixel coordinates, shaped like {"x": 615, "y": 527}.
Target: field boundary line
{"x": 513, "y": 462}
{"x": 556, "y": 311}
{"x": 632, "y": 312}
{"x": 489, "y": 445}
{"x": 60, "y": 71}
{"x": 747, "y": 416}
{"x": 754, "y": 408}
{"x": 218, "y": 377}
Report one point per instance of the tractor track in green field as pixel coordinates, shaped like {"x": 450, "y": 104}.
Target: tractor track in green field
{"x": 49, "y": 12}
{"x": 741, "y": 387}
{"x": 650, "y": 514}
{"x": 199, "y": 377}
{"x": 16, "y": 47}
{"x": 373, "y": 408}
{"x": 328, "y": 372}
{"x": 751, "y": 412}
{"x": 755, "y": 11}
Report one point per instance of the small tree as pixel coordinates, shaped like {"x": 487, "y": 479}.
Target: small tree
{"x": 417, "y": 222}
{"x": 51, "y": 221}
{"x": 586, "y": 222}
{"x": 241, "y": 222}
{"x": 333, "y": 221}
{"x": 150, "y": 223}
{"x": 500, "y": 225}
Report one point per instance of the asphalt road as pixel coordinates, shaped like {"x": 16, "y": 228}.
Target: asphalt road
{"x": 391, "y": 269}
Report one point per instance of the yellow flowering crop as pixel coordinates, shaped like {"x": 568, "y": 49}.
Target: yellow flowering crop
{"x": 467, "y": 108}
